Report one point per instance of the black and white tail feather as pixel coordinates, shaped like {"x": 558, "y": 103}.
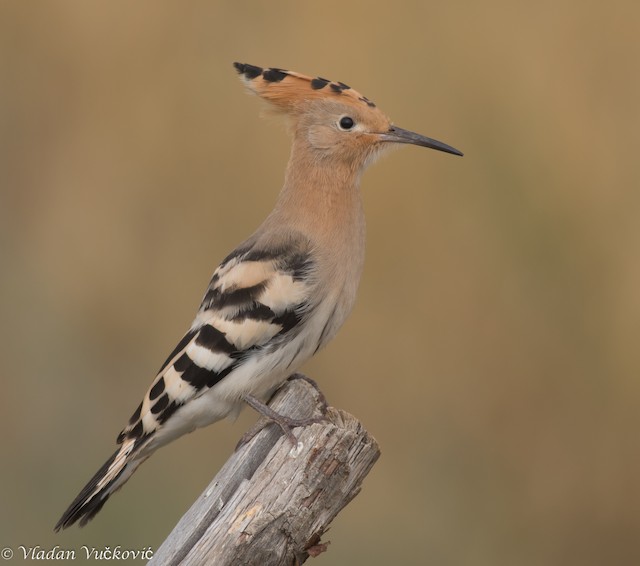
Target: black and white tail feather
{"x": 108, "y": 479}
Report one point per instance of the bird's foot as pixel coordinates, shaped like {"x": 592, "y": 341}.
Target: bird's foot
{"x": 322, "y": 400}
{"x": 270, "y": 416}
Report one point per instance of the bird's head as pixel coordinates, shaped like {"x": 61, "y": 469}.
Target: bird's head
{"x": 335, "y": 121}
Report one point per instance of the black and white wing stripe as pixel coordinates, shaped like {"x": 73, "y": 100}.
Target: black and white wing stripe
{"x": 255, "y": 302}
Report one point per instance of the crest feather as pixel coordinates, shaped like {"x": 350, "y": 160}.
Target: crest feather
{"x": 288, "y": 90}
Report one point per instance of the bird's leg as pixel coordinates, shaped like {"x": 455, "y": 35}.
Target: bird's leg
{"x": 285, "y": 423}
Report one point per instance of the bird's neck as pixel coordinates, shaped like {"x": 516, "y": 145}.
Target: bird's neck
{"x": 321, "y": 196}
{"x": 321, "y": 202}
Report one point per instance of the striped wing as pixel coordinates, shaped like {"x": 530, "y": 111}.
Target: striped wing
{"x": 256, "y": 300}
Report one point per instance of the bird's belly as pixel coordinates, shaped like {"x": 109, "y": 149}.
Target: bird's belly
{"x": 259, "y": 375}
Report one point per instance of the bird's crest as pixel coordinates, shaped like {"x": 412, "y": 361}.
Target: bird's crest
{"x": 288, "y": 90}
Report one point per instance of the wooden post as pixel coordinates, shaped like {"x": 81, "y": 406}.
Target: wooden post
{"x": 271, "y": 502}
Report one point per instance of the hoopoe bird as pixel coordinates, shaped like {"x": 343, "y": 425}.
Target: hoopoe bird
{"x": 280, "y": 296}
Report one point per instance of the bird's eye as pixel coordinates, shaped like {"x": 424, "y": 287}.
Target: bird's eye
{"x": 346, "y": 123}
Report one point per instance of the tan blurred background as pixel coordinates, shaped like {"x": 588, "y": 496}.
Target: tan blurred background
{"x": 494, "y": 349}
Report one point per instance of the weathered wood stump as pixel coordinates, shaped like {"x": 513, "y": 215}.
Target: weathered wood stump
{"x": 272, "y": 501}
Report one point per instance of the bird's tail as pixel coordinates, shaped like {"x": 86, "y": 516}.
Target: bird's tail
{"x": 108, "y": 479}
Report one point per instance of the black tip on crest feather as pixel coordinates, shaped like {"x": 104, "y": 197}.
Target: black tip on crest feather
{"x": 249, "y": 71}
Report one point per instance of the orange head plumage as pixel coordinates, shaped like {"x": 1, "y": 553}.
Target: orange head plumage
{"x": 324, "y": 111}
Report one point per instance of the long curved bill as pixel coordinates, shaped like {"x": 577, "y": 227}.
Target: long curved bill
{"x": 400, "y": 135}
